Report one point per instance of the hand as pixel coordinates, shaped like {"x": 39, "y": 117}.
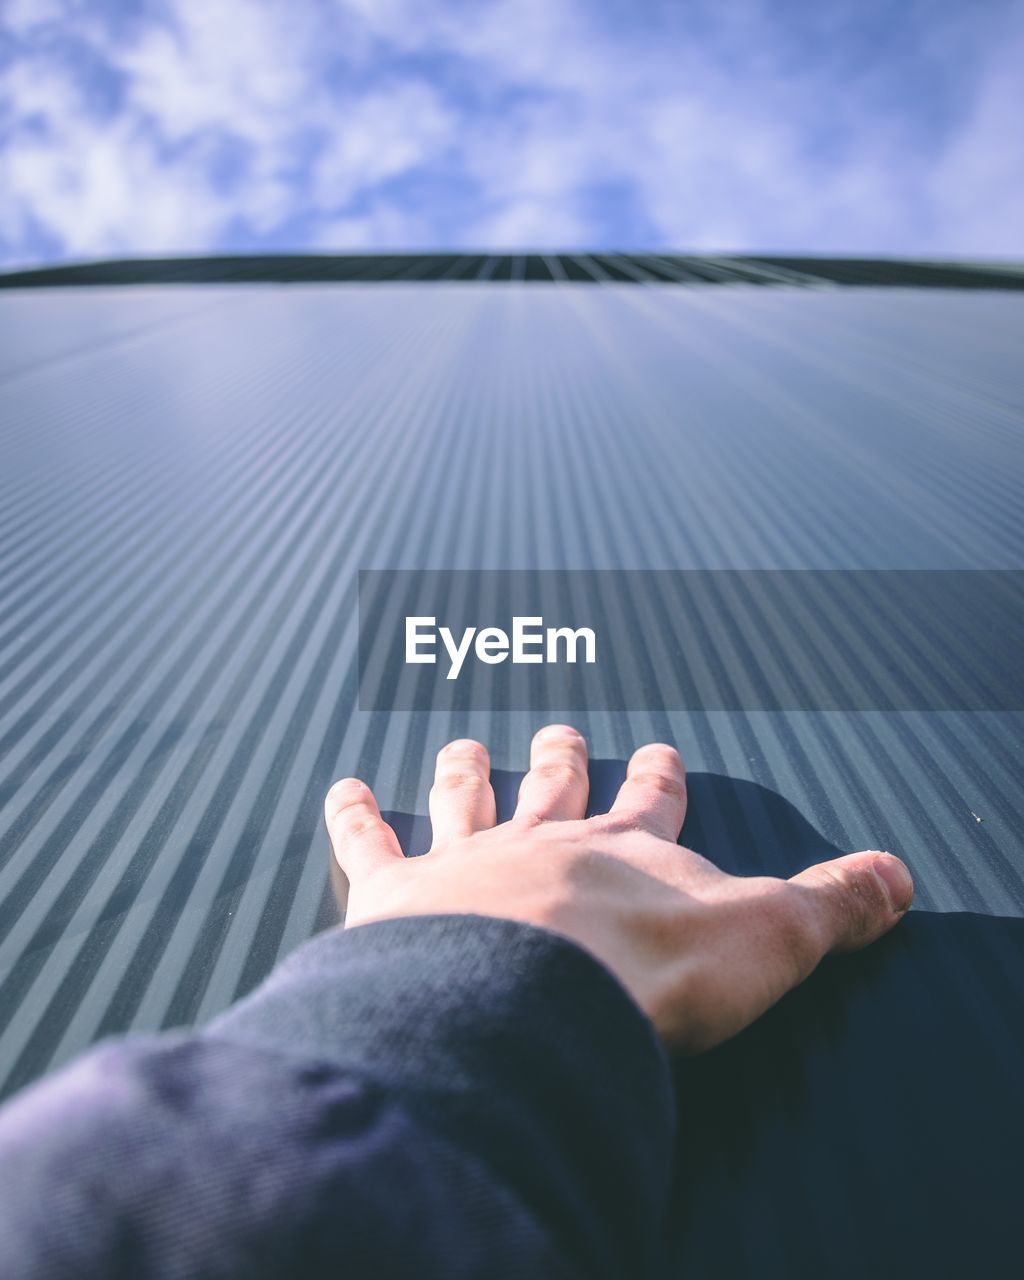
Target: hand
{"x": 703, "y": 953}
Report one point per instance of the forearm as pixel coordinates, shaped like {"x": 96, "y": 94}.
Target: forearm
{"x": 451, "y": 1095}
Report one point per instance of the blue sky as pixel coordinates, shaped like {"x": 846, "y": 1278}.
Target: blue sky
{"x": 182, "y": 126}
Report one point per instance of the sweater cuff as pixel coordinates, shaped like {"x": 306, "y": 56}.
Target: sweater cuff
{"x": 513, "y": 1033}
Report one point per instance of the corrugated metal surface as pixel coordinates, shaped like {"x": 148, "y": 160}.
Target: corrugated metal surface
{"x": 525, "y": 268}
{"x": 190, "y": 479}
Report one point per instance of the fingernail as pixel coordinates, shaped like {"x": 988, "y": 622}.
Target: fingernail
{"x": 559, "y": 731}
{"x": 465, "y": 746}
{"x": 345, "y": 791}
{"x": 347, "y": 787}
{"x": 896, "y": 881}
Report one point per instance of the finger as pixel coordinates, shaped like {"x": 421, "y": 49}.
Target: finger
{"x": 855, "y": 899}
{"x": 461, "y": 799}
{"x": 766, "y": 936}
{"x": 556, "y": 786}
{"x": 360, "y": 837}
{"x": 653, "y": 795}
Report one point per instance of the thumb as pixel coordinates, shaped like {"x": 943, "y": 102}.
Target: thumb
{"x": 855, "y": 899}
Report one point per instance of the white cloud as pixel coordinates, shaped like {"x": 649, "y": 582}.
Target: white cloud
{"x": 22, "y": 16}
{"x": 978, "y": 182}
{"x": 505, "y": 123}
{"x": 377, "y": 137}
{"x": 222, "y": 64}
{"x": 383, "y": 227}
{"x": 105, "y": 192}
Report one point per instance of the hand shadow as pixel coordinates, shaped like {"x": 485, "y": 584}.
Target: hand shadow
{"x": 872, "y": 1123}
{"x": 726, "y": 820}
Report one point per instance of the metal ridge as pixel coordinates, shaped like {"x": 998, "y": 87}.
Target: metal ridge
{"x": 525, "y": 268}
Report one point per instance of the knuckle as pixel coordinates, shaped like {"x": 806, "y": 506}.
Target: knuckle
{"x": 567, "y": 769}
{"x": 619, "y": 822}
{"x": 866, "y": 900}
{"x": 656, "y": 780}
{"x": 459, "y": 780}
{"x": 857, "y": 901}
{"x": 358, "y": 823}
{"x": 528, "y": 819}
